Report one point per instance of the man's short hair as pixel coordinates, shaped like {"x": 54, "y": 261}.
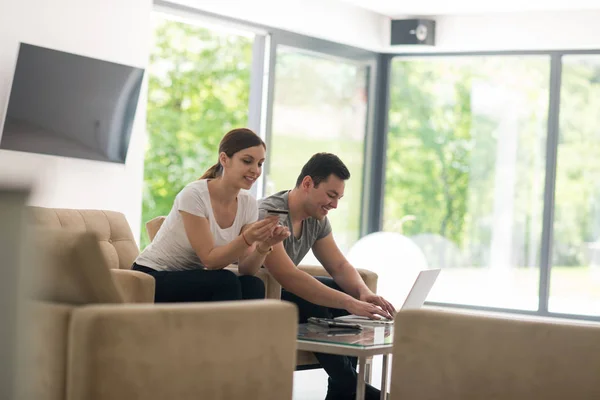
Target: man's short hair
{"x": 320, "y": 166}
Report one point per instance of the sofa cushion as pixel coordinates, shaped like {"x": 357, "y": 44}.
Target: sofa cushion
{"x": 111, "y": 228}
{"x": 72, "y": 269}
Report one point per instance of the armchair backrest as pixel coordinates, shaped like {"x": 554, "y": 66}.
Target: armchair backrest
{"x": 153, "y": 226}
{"x": 112, "y": 229}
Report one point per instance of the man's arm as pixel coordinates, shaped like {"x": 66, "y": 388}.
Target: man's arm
{"x": 344, "y": 274}
{"x": 304, "y": 285}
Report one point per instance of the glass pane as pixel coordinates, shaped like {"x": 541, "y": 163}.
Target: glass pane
{"x": 465, "y": 173}
{"x": 199, "y": 85}
{"x": 320, "y": 105}
{"x": 575, "y": 273}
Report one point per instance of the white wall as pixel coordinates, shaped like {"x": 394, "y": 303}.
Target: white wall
{"x": 111, "y": 30}
{"x": 558, "y": 30}
{"x": 324, "y": 19}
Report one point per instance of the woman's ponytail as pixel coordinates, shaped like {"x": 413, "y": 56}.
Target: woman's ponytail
{"x": 212, "y": 172}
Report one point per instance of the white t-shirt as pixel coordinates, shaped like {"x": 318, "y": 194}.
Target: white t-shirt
{"x": 171, "y": 250}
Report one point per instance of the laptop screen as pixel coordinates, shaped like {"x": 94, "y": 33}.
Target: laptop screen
{"x": 420, "y": 289}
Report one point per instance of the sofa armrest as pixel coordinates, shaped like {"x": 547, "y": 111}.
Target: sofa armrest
{"x": 221, "y": 350}
{"x": 134, "y": 286}
{"x": 272, "y": 287}
{"x": 369, "y": 277}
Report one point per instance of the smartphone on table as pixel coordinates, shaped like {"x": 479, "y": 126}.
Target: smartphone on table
{"x": 330, "y": 323}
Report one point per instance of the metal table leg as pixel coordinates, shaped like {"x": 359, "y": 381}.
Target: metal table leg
{"x": 384, "y": 374}
{"x": 369, "y": 370}
{"x": 360, "y": 381}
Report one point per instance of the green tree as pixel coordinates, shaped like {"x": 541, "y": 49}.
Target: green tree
{"x": 429, "y": 148}
{"x": 198, "y": 90}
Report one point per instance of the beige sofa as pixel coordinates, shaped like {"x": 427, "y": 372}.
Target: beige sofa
{"x": 306, "y": 360}
{"x": 87, "y": 345}
{"x": 458, "y": 356}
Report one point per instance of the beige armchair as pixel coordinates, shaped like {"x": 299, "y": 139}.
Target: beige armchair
{"x": 305, "y": 360}
{"x": 455, "y": 356}
{"x": 115, "y": 240}
{"x": 88, "y": 345}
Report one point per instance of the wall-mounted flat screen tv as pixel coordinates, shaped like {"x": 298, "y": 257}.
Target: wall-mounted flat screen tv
{"x": 69, "y": 105}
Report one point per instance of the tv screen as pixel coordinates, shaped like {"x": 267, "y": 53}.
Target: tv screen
{"x": 69, "y": 105}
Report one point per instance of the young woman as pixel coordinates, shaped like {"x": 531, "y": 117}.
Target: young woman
{"x": 211, "y": 225}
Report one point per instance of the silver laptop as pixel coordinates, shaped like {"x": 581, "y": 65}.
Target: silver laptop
{"x": 415, "y": 299}
{"x": 420, "y": 289}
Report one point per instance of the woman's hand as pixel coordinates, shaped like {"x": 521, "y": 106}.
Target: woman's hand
{"x": 280, "y": 233}
{"x": 260, "y": 231}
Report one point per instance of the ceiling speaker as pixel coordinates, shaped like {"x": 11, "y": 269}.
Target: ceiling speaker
{"x": 413, "y": 31}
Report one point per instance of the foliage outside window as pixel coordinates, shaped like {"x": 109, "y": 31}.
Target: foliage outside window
{"x": 465, "y": 172}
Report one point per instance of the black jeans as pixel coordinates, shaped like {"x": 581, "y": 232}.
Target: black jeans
{"x": 341, "y": 369}
{"x": 203, "y": 285}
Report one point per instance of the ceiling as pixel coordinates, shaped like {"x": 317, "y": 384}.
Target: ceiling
{"x": 396, "y": 8}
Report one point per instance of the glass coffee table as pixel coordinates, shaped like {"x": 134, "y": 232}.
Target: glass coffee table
{"x": 370, "y": 341}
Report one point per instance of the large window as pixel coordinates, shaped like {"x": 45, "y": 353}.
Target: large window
{"x": 320, "y": 105}
{"x": 575, "y": 273}
{"x": 465, "y": 172}
{"x": 199, "y": 86}
{"x": 466, "y": 177}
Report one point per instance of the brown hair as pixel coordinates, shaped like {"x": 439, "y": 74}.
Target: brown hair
{"x": 320, "y": 166}
{"x": 234, "y": 141}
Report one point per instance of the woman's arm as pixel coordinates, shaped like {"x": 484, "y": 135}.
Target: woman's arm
{"x": 251, "y": 263}
{"x": 213, "y": 257}
{"x": 198, "y": 232}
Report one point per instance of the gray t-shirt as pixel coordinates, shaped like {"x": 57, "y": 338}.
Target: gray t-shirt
{"x": 312, "y": 228}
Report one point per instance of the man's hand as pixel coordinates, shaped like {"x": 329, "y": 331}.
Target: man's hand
{"x": 372, "y": 298}
{"x": 364, "y": 309}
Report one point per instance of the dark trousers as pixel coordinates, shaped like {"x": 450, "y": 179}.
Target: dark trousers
{"x": 341, "y": 369}
{"x": 203, "y": 285}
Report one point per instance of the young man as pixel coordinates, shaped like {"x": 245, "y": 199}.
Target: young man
{"x": 318, "y": 189}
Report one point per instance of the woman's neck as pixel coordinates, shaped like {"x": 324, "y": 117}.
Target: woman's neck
{"x": 222, "y": 192}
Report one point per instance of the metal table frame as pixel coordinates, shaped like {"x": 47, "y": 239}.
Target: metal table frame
{"x": 355, "y": 351}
